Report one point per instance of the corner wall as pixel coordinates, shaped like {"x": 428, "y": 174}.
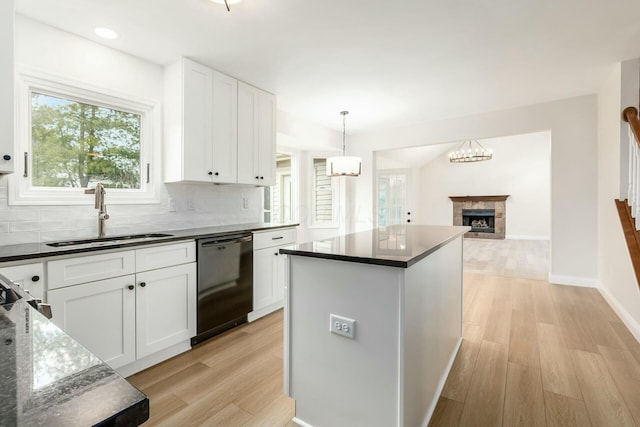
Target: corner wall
{"x": 616, "y": 277}
{"x": 572, "y": 123}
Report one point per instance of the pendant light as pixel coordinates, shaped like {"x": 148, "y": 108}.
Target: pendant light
{"x": 344, "y": 165}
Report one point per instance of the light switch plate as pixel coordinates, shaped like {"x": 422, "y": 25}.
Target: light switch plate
{"x": 342, "y": 326}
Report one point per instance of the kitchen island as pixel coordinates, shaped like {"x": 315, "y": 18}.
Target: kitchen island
{"x": 48, "y": 379}
{"x": 398, "y": 292}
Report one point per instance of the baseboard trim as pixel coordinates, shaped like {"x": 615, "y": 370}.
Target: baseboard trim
{"x": 585, "y": 282}
{"x": 154, "y": 359}
{"x": 256, "y": 314}
{"x": 518, "y": 237}
{"x": 630, "y": 323}
{"x": 441, "y": 383}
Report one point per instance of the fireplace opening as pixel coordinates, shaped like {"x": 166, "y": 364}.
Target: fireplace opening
{"x": 480, "y": 220}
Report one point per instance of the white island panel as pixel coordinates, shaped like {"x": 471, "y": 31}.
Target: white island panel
{"x": 336, "y": 380}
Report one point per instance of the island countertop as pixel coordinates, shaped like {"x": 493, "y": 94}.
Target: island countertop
{"x": 49, "y": 379}
{"x": 394, "y": 246}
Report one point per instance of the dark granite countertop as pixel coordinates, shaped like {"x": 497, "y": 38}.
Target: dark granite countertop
{"x": 41, "y": 250}
{"x": 394, "y": 246}
{"x": 48, "y": 379}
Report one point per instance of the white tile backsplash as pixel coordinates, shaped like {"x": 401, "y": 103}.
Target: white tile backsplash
{"x": 197, "y": 205}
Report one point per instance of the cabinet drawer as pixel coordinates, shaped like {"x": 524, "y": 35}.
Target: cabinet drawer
{"x": 27, "y": 276}
{"x": 71, "y": 271}
{"x": 280, "y": 237}
{"x": 165, "y": 256}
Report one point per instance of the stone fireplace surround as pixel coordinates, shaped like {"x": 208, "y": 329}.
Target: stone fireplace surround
{"x": 498, "y": 203}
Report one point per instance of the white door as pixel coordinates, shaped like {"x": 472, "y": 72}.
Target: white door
{"x": 28, "y": 276}
{"x": 100, "y": 316}
{"x": 392, "y": 199}
{"x": 248, "y": 131}
{"x": 165, "y": 307}
{"x": 267, "y": 138}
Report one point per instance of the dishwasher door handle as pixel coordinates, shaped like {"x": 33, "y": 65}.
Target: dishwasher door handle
{"x": 209, "y": 243}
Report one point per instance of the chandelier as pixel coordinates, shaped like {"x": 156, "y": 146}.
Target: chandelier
{"x": 470, "y": 151}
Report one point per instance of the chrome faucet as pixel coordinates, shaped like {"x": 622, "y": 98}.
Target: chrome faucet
{"x": 100, "y": 192}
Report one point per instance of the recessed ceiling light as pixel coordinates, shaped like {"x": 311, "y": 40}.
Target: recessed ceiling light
{"x": 106, "y": 33}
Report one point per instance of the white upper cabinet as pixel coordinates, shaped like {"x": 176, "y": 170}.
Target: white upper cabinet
{"x": 201, "y": 141}
{"x": 225, "y": 128}
{"x": 256, "y": 136}
{"x": 6, "y": 87}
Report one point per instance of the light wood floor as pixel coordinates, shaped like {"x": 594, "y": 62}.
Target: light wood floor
{"x": 539, "y": 354}
{"x": 234, "y": 379}
{"x": 533, "y": 354}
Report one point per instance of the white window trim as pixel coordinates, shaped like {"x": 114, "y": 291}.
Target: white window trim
{"x": 20, "y": 190}
{"x": 336, "y": 189}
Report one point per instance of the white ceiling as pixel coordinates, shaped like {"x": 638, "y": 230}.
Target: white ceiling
{"x": 390, "y": 63}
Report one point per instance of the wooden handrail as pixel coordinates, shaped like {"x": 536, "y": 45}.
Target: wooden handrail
{"x": 630, "y": 115}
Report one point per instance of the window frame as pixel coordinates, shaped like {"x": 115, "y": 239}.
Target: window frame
{"x": 25, "y": 193}
{"x": 335, "y": 195}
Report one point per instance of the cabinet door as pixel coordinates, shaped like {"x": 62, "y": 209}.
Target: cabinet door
{"x": 248, "y": 131}
{"x": 100, "y": 316}
{"x": 165, "y": 308}
{"x": 263, "y": 271}
{"x": 27, "y": 276}
{"x": 225, "y": 129}
{"x": 197, "y": 98}
{"x": 6, "y": 87}
{"x": 278, "y": 275}
{"x": 267, "y": 139}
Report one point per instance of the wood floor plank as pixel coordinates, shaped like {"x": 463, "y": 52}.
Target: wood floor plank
{"x": 524, "y": 399}
{"x": 161, "y": 408}
{"x": 498, "y": 324}
{"x": 627, "y": 337}
{"x": 523, "y": 341}
{"x": 485, "y": 400}
{"x": 229, "y": 416}
{"x": 446, "y": 414}
{"x": 543, "y": 304}
{"x": 277, "y": 413}
{"x": 562, "y": 411}
{"x": 522, "y": 295}
{"x": 457, "y": 385}
{"x": 555, "y": 362}
{"x": 604, "y": 403}
{"x": 625, "y": 370}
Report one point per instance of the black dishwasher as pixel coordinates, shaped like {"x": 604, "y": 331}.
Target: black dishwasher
{"x": 225, "y": 283}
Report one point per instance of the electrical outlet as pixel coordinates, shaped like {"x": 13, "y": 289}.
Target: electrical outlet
{"x": 190, "y": 206}
{"x": 172, "y": 205}
{"x": 342, "y": 326}
{"x": 245, "y": 202}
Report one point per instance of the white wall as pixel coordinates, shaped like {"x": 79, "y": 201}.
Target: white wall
{"x": 303, "y": 139}
{"x": 521, "y": 167}
{"x": 615, "y": 272}
{"x": 58, "y": 53}
{"x": 572, "y": 123}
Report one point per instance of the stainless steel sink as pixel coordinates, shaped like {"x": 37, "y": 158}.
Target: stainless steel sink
{"x": 107, "y": 240}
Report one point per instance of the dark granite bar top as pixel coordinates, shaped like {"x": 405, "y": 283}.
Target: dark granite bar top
{"x": 394, "y": 246}
{"x": 48, "y": 379}
{"x": 41, "y": 250}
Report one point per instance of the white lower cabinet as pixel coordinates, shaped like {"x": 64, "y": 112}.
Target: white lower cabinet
{"x": 28, "y": 276}
{"x": 136, "y": 319}
{"x": 268, "y": 270}
{"x": 101, "y": 316}
{"x": 165, "y": 308}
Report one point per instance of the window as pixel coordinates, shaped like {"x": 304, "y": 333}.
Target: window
{"x": 75, "y": 144}
{"x": 323, "y": 194}
{"x": 72, "y": 138}
{"x": 278, "y": 198}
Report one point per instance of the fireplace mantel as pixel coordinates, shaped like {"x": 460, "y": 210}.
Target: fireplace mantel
{"x": 500, "y": 198}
